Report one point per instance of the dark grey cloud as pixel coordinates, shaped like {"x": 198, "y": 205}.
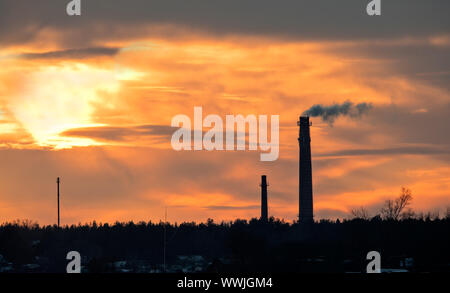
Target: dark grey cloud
{"x": 162, "y": 133}
{"x": 118, "y": 133}
{"x": 414, "y": 59}
{"x": 72, "y": 53}
{"x": 22, "y": 20}
{"x": 404, "y": 125}
{"x": 426, "y": 150}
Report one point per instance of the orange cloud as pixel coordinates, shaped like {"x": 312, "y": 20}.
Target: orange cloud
{"x": 101, "y": 122}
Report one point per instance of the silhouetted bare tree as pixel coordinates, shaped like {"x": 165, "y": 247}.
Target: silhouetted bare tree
{"x": 393, "y": 209}
{"x": 360, "y": 213}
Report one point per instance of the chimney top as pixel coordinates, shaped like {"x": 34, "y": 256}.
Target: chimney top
{"x": 263, "y": 180}
{"x": 304, "y": 120}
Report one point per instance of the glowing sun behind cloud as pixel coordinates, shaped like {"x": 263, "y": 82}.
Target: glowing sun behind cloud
{"x": 58, "y": 98}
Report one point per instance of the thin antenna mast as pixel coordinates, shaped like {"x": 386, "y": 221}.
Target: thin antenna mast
{"x": 57, "y": 182}
{"x": 165, "y": 223}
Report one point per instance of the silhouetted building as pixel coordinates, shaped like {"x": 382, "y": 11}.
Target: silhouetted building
{"x": 264, "y": 209}
{"x": 305, "y": 173}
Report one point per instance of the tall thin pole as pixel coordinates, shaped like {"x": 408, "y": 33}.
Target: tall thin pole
{"x": 57, "y": 182}
{"x": 165, "y": 223}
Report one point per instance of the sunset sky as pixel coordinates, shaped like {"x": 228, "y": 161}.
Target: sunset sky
{"x": 90, "y": 99}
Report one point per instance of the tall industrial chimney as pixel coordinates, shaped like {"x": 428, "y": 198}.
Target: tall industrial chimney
{"x": 57, "y": 183}
{"x": 305, "y": 175}
{"x": 264, "y": 212}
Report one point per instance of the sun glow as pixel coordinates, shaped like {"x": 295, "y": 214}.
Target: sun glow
{"x": 58, "y": 98}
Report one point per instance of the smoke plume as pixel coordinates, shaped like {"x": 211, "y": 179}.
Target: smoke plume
{"x": 330, "y": 113}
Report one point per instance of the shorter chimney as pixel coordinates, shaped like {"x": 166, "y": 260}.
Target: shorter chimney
{"x": 264, "y": 212}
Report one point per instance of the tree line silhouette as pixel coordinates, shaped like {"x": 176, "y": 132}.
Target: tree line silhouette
{"x": 330, "y": 246}
{"x": 402, "y": 237}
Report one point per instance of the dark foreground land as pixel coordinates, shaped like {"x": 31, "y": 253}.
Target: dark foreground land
{"x": 413, "y": 245}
